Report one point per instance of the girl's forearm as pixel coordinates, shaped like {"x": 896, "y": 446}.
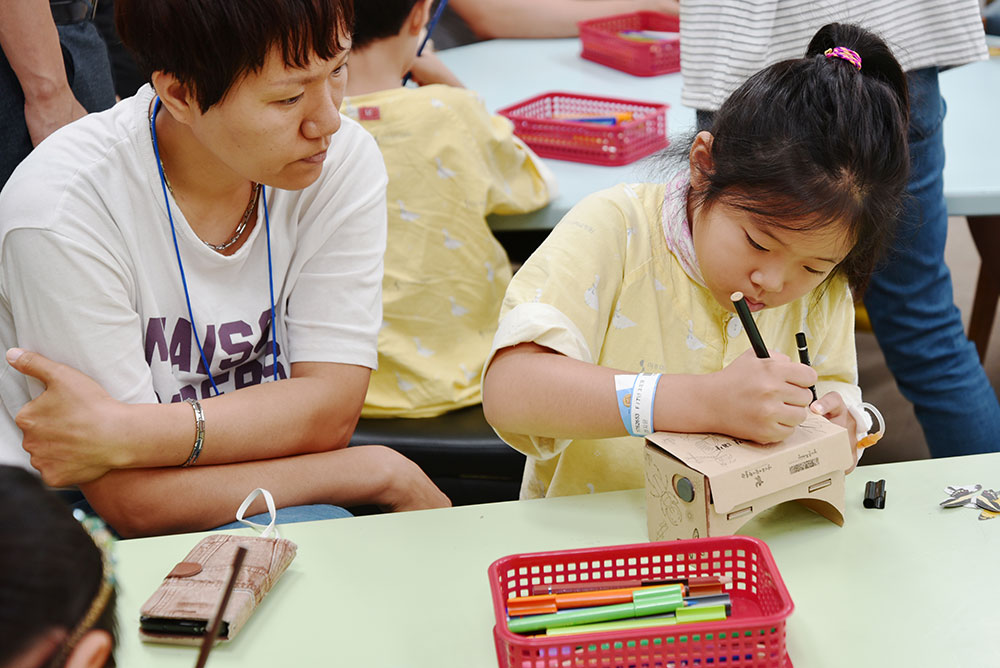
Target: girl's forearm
{"x": 532, "y": 390}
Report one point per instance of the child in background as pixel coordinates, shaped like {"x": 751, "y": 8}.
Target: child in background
{"x": 57, "y": 596}
{"x": 790, "y": 200}
{"x": 450, "y": 164}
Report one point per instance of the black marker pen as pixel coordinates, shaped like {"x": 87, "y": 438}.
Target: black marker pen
{"x": 800, "y": 342}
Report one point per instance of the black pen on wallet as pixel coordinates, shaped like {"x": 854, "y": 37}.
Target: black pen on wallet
{"x": 800, "y": 343}
{"x": 742, "y": 310}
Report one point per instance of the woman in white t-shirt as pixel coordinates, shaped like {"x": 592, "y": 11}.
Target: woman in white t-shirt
{"x": 221, "y": 229}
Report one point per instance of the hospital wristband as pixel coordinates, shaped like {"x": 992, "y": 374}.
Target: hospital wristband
{"x": 636, "y": 396}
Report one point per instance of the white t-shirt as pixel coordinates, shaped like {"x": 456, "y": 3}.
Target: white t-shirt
{"x": 89, "y": 273}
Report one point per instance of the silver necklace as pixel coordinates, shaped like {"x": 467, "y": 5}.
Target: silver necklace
{"x": 254, "y": 192}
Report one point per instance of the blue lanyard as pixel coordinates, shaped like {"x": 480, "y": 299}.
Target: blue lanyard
{"x": 180, "y": 264}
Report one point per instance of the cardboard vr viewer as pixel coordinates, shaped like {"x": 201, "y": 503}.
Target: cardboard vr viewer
{"x": 700, "y": 485}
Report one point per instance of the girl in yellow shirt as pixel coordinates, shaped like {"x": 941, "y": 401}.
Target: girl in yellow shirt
{"x": 790, "y": 200}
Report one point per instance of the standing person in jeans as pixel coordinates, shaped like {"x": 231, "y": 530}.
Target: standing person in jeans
{"x": 909, "y": 301}
{"x": 53, "y": 69}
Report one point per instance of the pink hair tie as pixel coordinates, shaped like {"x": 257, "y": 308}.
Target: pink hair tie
{"x": 842, "y": 52}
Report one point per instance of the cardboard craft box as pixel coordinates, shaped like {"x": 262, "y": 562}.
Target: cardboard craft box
{"x": 701, "y": 485}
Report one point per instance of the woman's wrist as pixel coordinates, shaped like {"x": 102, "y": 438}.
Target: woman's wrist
{"x": 120, "y": 438}
{"x": 152, "y": 435}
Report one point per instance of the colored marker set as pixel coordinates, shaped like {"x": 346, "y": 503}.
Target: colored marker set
{"x": 649, "y": 35}
{"x": 663, "y": 603}
{"x": 599, "y": 119}
{"x": 711, "y": 601}
{"x": 587, "y": 128}
{"x": 641, "y": 43}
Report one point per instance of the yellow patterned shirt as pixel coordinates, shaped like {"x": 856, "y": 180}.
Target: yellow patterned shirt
{"x": 606, "y": 288}
{"x": 450, "y": 164}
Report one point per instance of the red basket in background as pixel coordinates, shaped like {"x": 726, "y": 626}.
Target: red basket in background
{"x": 752, "y": 636}
{"x": 602, "y": 43}
{"x": 541, "y": 122}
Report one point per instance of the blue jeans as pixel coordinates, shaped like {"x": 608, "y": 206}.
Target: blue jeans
{"x": 293, "y": 514}
{"x": 911, "y": 305}
{"x": 992, "y": 16}
{"x": 88, "y": 72}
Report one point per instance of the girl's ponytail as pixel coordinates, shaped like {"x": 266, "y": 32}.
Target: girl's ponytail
{"x": 877, "y": 60}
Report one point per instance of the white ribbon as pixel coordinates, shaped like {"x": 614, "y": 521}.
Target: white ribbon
{"x": 270, "y": 528}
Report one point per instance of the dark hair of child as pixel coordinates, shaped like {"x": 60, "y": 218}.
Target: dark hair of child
{"x": 812, "y": 141}
{"x": 379, "y": 19}
{"x": 50, "y": 569}
{"x": 209, "y": 46}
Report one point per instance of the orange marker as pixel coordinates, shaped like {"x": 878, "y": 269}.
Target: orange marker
{"x": 547, "y": 603}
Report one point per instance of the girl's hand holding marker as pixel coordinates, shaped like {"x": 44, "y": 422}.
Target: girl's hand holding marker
{"x": 770, "y": 392}
{"x": 776, "y": 394}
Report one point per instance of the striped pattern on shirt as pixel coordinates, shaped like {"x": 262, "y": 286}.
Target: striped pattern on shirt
{"x": 723, "y": 42}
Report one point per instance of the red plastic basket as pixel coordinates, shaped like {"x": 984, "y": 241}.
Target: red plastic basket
{"x": 537, "y": 121}
{"x": 753, "y": 636}
{"x": 602, "y": 43}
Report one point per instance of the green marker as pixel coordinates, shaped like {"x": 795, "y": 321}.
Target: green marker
{"x": 701, "y": 613}
{"x": 667, "y": 599}
{"x": 705, "y": 613}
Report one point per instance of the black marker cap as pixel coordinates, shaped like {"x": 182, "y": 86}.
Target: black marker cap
{"x": 874, "y": 494}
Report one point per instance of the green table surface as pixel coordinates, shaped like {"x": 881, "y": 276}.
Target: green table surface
{"x": 911, "y": 585}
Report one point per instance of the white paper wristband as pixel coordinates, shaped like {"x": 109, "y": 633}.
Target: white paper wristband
{"x": 624, "y": 383}
{"x": 636, "y": 394}
{"x": 643, "y": 398}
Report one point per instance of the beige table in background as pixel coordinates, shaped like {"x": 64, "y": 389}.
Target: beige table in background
{"x": 911, "y": 585}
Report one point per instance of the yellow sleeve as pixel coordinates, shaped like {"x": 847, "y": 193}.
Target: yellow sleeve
{"x": 832, "y": 346}
{"x": 518, "y": 180}
{"x": 564, "y": 295}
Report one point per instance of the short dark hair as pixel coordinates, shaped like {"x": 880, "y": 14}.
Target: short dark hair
{"x": 379, "y": 19}
{"x": 816, "y": 139}
{"x": 210, "y": 45}
{"x": 50, "y": 568}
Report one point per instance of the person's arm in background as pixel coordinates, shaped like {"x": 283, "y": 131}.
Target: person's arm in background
{"x": 429, "y": 69}
{"x": 494, "y": 19}
{"x": 30, "y": 42}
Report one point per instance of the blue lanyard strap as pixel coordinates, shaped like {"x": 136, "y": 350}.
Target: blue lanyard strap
{"x": 180, "y": 264}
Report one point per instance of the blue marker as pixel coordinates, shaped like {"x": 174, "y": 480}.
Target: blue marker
{"x": 597, "y": 120}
